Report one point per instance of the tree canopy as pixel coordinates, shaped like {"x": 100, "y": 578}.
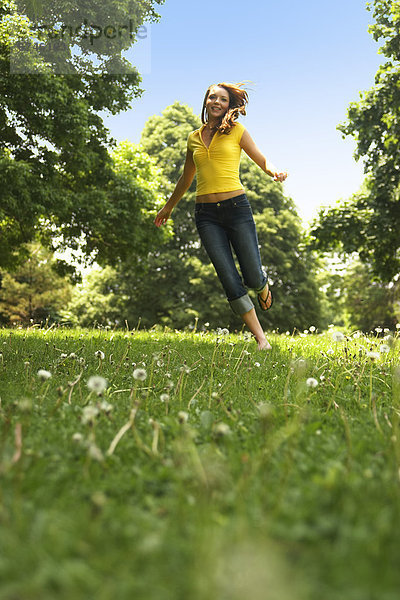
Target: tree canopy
{"x": 368, "y": 221}
{"x": 56, "y": 172}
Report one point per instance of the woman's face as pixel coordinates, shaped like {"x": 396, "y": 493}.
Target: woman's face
{"x": 217, "y": 102}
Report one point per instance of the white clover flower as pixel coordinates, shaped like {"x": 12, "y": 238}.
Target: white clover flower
{"x": 139, "y": 374}
{"x": 384, "y": 349}
{"x": 164, "y": 397}
{"x": 311, "y": 382}
{"x": 97, "y": 384}
{"x": 99, "y": 354}
{"x": 89, "y": 414}
{"x": 222, "y": 429}
{"x": 337, "y": 336}
{"x": 373, "y": 355}
{"x": 43, "y": 374}
{"x": 183, "y": 416}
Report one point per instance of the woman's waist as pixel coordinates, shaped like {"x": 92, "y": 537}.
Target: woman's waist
{"x": 219, "y": 196}
{"x": 234, "y": 202}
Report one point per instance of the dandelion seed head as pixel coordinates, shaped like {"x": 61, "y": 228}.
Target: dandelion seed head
{"x": 222, "y": 429}
{"x": 99, "y": 354}
{"x": 311, "y": 382}
{"x": 183, "y": 416}
{"x": 384, "y": 349}
{"x": 43, "y": 374}
{"x": 337, "y": 336}
{"x": 164, "y": 398}
{"x": 378, "y": 329}
{"x": 139, "y": 374}
{"x": 97, "y": 384}
{"x": 397, "y": 325}
{"x": 372, "y": 355}
{"x": 106, "y": 407}
{"x": 95, "y": 453}
{"x": 77, "y": 437}
{"x": 89, "y": 414}
{"x": 312, "y": 328}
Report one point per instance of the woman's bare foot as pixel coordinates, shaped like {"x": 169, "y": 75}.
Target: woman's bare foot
{"x": 263, "y": 344}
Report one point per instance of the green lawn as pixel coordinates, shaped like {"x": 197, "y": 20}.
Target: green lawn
{"x": 221, "y": 475}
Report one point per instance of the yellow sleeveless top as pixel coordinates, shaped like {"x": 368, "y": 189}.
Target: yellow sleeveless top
{"x": 217, "y": 167}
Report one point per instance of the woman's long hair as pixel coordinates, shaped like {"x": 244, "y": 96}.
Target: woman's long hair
{"x": 238, "y": 99}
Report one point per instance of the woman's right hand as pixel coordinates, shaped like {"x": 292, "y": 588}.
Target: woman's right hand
{"x": 163, "y": 215}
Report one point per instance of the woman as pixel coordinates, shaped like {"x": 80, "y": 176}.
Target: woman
{"x": 223, "y": 215}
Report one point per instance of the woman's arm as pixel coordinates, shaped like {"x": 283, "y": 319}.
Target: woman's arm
{"x": 248, "y": 145}
{"x": 181, "y": 187}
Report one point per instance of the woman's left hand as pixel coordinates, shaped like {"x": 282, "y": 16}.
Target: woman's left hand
{"x": 280, "y": 176}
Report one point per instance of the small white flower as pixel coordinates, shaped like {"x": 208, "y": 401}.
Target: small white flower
{"x": 386, "y": 330}
{"x": 215, "y": 395}
{"x": 224, "y": 331}
{"x": 378, "y": 329}
{"x": 306, "y": 332}
{"x": 397, "y": 325}
{"x": 97, "y": 384}
{"x": 257, "y": 364}
{"x": 312, "y": 328}
{"x": 207, "y": 324}
{"x": 337, "y": 336}
{"x": 63, "y": 355}
{"x": 43, "y": 374}
{"x": 72, "y": 355}
{"x": 139, "y": 374}
{"x": 99, "y": 354}
{"x": 81, "y": 360}
{"x": 77, "y": 437}
{"x": 384, "y": 349}
{"x": 89, "y": 414}
{"x": 373, "y": 355}
{"x": 183, "y": 416}
{"x": 311, "y": 382}
{"x": 164, "y": 397}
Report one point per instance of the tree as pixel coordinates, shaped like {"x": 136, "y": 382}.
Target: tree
{"x": 56, "y": 172}
{"x": 368, "y": 222}
{"x": 175, "y": 283}
{"x": 34, "y": 292}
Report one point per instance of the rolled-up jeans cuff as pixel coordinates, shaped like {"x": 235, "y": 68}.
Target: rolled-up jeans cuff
{"x": 241, "y": 305}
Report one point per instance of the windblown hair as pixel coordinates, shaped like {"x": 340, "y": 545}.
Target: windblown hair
{"x": 238, "y": 99}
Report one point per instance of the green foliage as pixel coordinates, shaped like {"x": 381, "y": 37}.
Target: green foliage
{"x": 34, "y": 292}
{"x": 221, "y": 474}
{"x": 56, "y": 171}
{"x": 368, "y": 221}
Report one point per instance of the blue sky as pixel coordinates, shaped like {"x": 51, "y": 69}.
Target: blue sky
{"x": 307, "y": 60}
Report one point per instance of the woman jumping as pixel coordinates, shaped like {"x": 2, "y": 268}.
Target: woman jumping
{"x": 223, "y": 214}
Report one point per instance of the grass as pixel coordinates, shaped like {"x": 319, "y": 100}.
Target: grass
{"x": 221, "y": 475}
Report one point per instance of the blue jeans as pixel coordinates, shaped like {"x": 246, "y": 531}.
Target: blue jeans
{"x": 228, "y": 225}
